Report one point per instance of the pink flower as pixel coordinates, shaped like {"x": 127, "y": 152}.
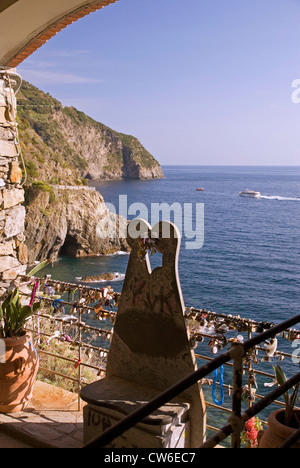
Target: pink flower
{"x": 251, "y": 432}
{"x": 250, "y": 424}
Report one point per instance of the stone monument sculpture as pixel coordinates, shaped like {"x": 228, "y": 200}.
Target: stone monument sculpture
{"x": 150, "y": 351}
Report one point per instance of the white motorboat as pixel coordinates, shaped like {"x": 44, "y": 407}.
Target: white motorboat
{"x": 250, "y": 193}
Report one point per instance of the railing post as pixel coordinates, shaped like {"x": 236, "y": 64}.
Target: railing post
{"x": 235, "y": 419}
{"x": 79, "y": 356}
{"x": 250, "y": 370}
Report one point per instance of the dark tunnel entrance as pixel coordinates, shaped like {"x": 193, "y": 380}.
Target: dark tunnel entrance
{"x": 70, "y": 248}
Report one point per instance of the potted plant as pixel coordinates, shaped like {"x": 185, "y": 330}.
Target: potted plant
{"x": 283, "y": 423}
{"x": 18, "y": 359}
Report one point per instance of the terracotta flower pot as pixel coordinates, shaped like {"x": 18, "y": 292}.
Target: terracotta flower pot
{"x": 17, "y": 374}
{"x": 277, "y": 432}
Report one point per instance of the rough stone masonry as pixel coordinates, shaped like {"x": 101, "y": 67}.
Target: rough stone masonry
{"x": 13, "y": 251}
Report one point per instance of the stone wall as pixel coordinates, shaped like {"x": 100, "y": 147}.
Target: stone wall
{"x": 13, "y": 251}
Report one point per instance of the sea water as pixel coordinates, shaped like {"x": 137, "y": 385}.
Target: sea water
{"x": 249, "y": 263}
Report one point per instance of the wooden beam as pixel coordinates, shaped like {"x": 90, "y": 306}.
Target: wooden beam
{"x": 53, "y": 29}
{"x": 6, "y": 4}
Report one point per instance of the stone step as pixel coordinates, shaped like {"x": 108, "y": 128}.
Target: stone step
{"x": 51, "y": 421}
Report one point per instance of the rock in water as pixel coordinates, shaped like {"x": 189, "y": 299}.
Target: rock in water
{"x": 98, "y": 278}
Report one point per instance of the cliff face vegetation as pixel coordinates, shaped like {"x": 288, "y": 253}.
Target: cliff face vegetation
{"x": 64, "y": 146}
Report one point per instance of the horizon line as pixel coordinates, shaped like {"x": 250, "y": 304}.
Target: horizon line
{"x": 233, "y": 165}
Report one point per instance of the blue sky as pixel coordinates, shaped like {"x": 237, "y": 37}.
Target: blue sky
{"x": 197, "y": 81}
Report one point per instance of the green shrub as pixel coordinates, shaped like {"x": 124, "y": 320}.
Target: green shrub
{"x": 32, "y": 170}
{"x": 44, "y": 187}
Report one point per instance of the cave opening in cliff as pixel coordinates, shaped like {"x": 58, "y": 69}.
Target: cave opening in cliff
{"x": 70, "y": 247}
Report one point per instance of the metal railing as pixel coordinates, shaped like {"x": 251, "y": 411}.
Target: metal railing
{"x": 69, "y": 327}
{"x": 237, "y": 419}
{"x": 194, "y": 316}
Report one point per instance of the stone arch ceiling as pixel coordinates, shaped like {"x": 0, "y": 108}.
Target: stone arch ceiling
{"x": 25, "y": 25}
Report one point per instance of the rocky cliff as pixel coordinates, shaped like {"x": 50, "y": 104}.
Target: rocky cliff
{"x": 62, "y": 145}
{"x": 73, "y": 221}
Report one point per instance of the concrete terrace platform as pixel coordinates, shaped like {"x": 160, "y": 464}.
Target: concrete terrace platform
{"x": 51, "y": 421}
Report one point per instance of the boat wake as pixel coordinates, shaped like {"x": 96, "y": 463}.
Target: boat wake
{"x": 277, "y": 197}
{"x": 119, "y": 252}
